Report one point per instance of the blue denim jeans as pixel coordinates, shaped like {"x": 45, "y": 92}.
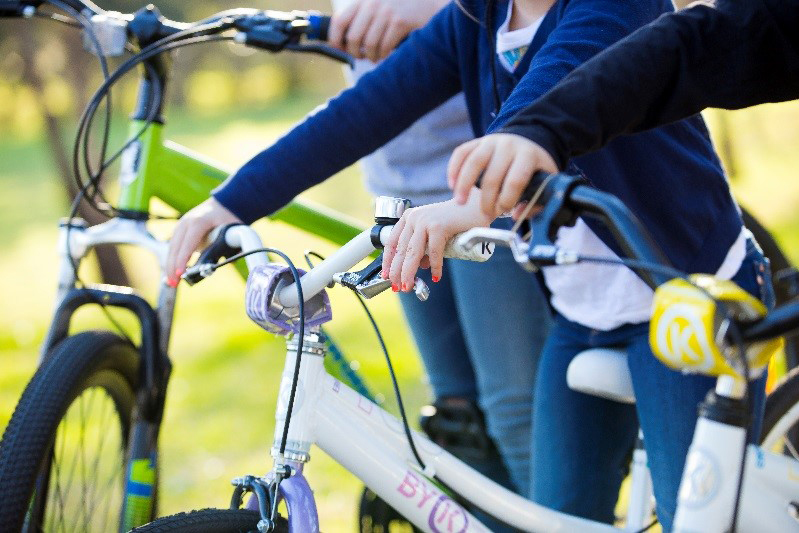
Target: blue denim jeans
{"x": 581, "y": 443}
{"x": 480, "y": 335}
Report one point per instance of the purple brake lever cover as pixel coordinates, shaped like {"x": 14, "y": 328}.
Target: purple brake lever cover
{"x": 262, "y": 284}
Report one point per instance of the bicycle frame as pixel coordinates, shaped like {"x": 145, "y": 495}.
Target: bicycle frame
{"x": 156, "y": 168}
{"x": 371, "y": 443}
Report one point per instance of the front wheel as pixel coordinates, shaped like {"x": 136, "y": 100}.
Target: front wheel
{"x": 781, "y": 421}
{"x": 210, "y": 521}
{"x": 63, "y": 454}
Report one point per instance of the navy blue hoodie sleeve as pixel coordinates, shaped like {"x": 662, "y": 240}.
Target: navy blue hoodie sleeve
{"x": 735, "y": 54}
{"x": 586, "y": 27}
{"x": 418, "y": 76}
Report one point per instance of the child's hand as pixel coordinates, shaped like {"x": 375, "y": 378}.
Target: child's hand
{"x": 190, "y": 232}
{"x": 506, "y": 162}
{"x": 371, "y": 29}
{"x": 420, "y": 236}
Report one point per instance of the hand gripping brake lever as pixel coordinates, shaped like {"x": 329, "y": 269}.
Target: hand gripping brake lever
{"x": 218, "y": 249}
{"x": 368, "y": 283}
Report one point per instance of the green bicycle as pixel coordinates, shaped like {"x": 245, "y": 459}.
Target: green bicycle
{"x": 80, "y": 452}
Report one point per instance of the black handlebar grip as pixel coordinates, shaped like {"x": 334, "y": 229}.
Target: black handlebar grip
{"x": 318, "y": 26}
{"x": 535, "y": 183}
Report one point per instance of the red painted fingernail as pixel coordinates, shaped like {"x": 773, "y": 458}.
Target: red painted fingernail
{"x": 436, "y": 279}
{"x": 172, "y": 282}
{"x": 394, "y": 288}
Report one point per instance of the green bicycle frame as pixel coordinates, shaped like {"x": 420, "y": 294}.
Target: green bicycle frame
{"x": 155, "y": 168}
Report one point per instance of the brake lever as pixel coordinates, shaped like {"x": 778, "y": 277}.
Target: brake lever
{"x": 325, "y": 50}
{"x": 218, "y": 249}
{"x": 368, "y": 282}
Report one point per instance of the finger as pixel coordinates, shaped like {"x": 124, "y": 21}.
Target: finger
{"x": 339, "y": 23}
{"x": 518, "y": 210}
{"x": 392, "y": 37}
{"x": 191, "y": 240}
{"x": 456, "y": 163}
{"x": 174, "y": 244}
{"x": 471, "y": 170}
{"x": 398, "y": 259}
{"x": 417, "y": 246}
{"x": 436, "y": 242}
{"x": 493, "y": 177}
{"x": 516, "y": 179}
{"x": 358, "y": 28}
{"x": 390, "y": 248}
{"x": 374, "y": 34}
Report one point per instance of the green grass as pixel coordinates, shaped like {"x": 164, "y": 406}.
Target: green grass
{"x": 218, "y": 421}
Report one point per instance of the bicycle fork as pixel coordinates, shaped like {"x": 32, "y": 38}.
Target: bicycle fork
{"x": 75, "y": 242}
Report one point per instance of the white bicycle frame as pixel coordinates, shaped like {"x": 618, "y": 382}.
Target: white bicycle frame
{"x": 371, "y": 443}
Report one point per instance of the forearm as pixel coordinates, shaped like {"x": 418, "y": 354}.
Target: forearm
{"x": 732, "y": 56}
{"x": 352, "y": 125}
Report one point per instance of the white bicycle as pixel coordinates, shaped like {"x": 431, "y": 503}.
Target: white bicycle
{"x": 415, "y": 476}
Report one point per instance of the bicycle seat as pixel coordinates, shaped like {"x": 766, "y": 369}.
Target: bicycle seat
{"x": 602, "y": 372}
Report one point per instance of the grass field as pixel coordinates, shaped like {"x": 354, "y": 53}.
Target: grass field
{"x": 216, "y": 427}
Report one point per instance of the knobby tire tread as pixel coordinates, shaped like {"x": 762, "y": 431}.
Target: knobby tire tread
{"x": 61, "y": 378}
{"x": 210, "y": 521}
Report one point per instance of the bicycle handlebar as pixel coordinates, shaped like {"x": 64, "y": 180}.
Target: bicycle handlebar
{"x": 268, "y": 30}
{"x": 240, "y": 237}
{"x": 566, "y": 197}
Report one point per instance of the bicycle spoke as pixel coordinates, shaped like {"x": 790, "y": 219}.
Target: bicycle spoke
{"x": 115, "y": 473}
{"x": 83, "y": 458}
{"x": 96, "y": 464}
{"x": 56, "y": 466}
{"x": 105, "y": 495}
{"x": 787, "y": 443}
{"x": 98, "y": 453}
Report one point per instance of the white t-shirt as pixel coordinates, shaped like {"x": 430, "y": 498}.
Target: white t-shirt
{"x": 413, "y": 165}
{"x": 596, "y": 295}
{"x": 603, "y": 296}
{"x": 511, "y": 45}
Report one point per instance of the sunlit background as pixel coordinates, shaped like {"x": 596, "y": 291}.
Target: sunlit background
{"x": 228, "y": 102}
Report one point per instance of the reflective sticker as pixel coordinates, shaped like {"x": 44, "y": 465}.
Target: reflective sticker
{"x": 139, "y": 493}
{"x": 701, "y": 480}
{"x": 129, "y": 164}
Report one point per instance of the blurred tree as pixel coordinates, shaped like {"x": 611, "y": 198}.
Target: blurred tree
{"x": 110, "y": 264}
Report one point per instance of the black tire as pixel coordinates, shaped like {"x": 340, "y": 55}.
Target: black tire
{"x": 210, "y": 521}
{"x": 780, "y": 266}
{"x": 37, "y": 489}
{"x": 781, "y": 424}
{"x": 377, "y": 516}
